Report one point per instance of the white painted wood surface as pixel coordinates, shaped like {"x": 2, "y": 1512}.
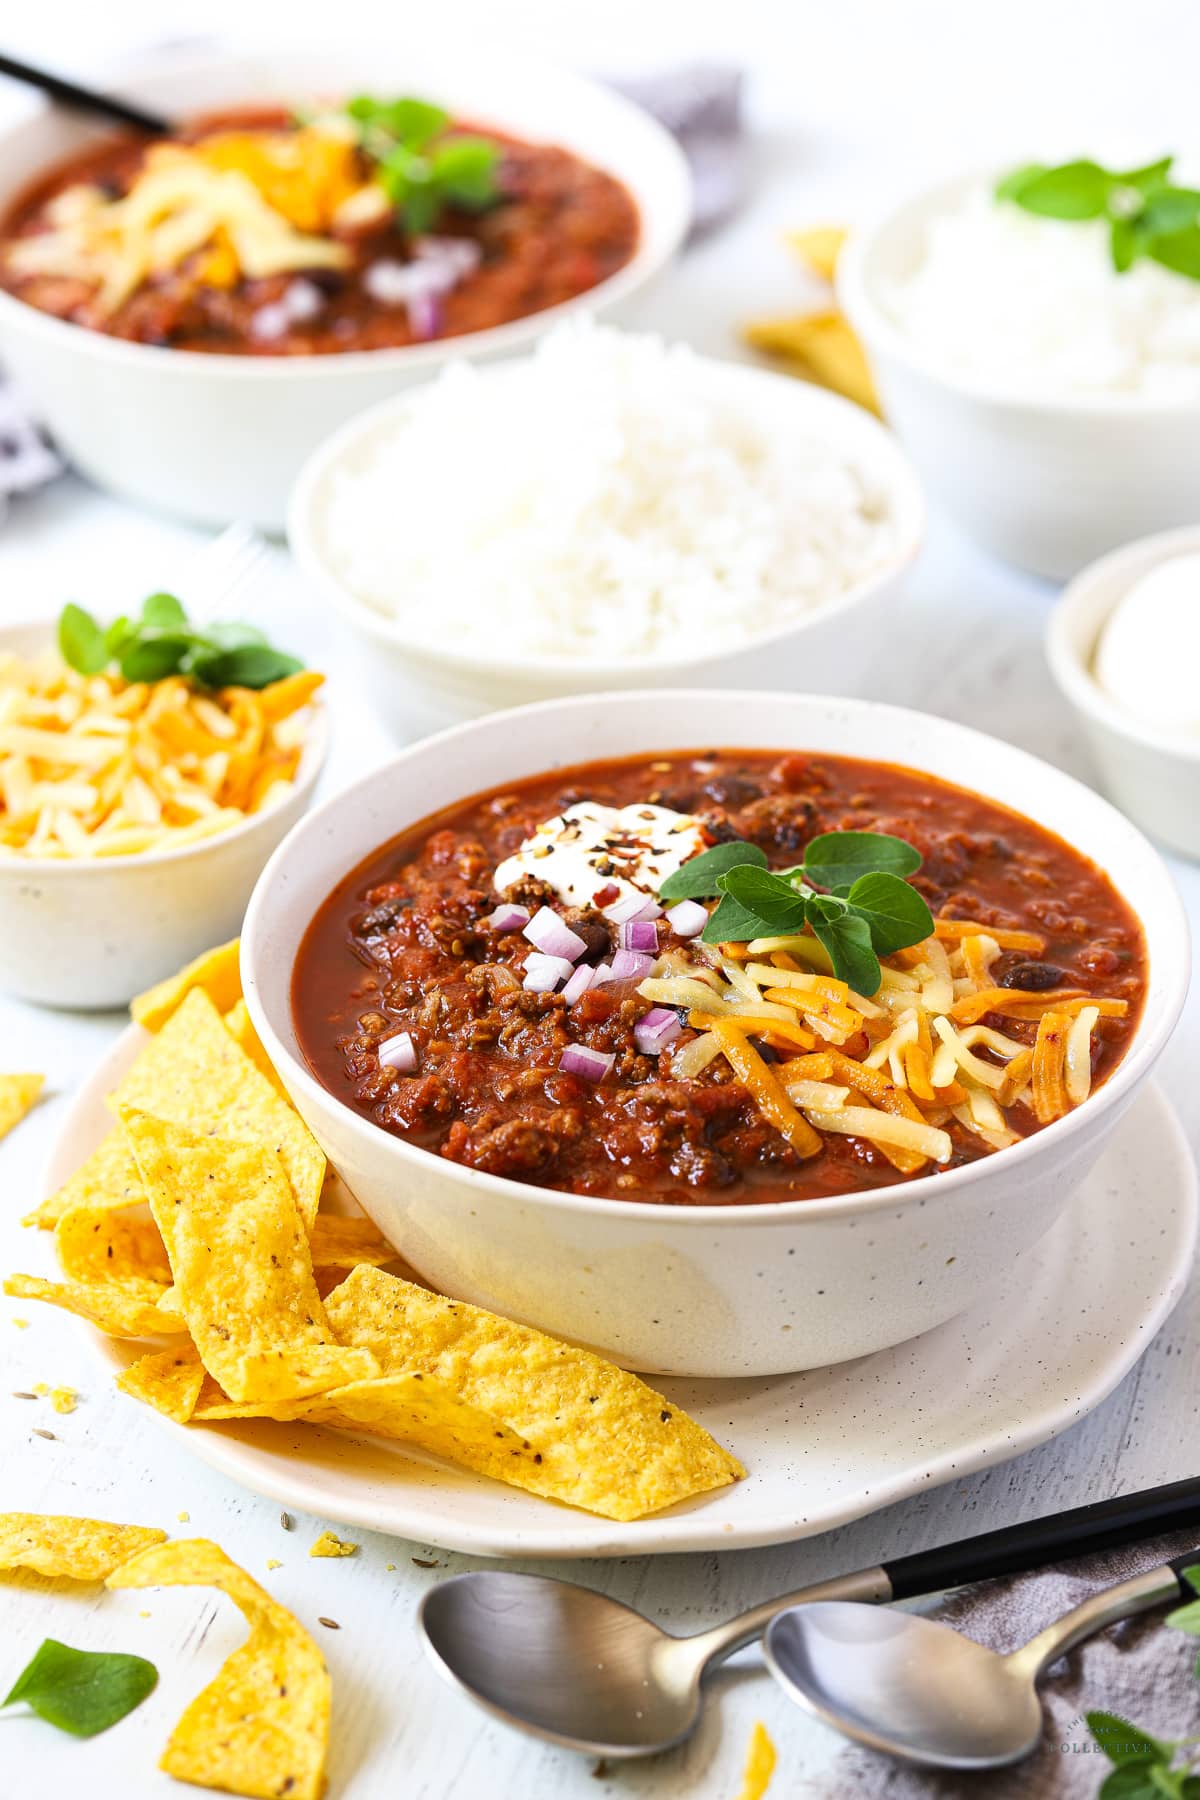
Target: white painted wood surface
{"x": 837, "y": 131}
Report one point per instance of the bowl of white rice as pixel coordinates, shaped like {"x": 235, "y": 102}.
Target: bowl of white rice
{"x": 610, "y": 512}
{"x": 1050, "y": 402}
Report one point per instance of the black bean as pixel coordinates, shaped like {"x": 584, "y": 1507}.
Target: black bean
{"x": 1035, "y": 976}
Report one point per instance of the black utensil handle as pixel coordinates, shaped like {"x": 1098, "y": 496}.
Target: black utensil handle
{"x": 1126, "y": 1519}
{"x": 59, "y": 88}
{"x": 1189, "y": 1560}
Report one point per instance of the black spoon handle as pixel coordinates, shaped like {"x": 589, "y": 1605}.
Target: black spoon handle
{"x": 1126, "y": 1519}
{"x": 59, "y": 88}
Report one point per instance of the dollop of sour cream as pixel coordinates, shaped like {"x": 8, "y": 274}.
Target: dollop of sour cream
{"x": 591, "y": 848}
{"x": 1148, "y": 657}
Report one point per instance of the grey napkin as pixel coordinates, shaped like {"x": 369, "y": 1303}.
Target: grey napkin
{"x": 1140, "y": 1670}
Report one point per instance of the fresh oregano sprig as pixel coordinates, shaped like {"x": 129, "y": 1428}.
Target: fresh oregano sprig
{"x": 1148, "y": 216}
{"x": 161, "y": 641}
{"x": 1144, "y": 1767}
{"x": 81, "y": 1691}
{"x": 850, "y": 892}
{"x": 423, "y": 166}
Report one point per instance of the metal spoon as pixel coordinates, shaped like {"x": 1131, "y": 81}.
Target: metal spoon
{"x": 918, "y": 1689}
{"x": 573, "y": 1666}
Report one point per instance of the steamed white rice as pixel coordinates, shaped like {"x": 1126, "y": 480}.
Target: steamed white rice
{"x": 1035, "y": 306}
{"x": 599, "y": 503}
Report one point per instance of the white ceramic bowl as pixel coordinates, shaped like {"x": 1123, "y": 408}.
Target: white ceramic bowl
{"x": 215, "y": 438}
{"x": 706, "y": 1290}
{"x": 88, "y": 935}
{"x": 1154, "y": 776}
{"x": 417, "y": 688}
{"x": 1047, "y": 484}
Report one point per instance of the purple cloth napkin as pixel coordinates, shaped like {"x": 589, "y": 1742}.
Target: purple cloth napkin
{"x": 1141, "y": 1670}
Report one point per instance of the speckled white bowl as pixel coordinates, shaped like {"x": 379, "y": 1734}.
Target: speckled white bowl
{"x": 89, "y": 935}
{"x": 707, "y": 1290}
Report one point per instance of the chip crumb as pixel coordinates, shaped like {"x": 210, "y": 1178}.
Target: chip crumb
{"x": 22, "y": 1394}
{"x": 329, "y": 1624}
{"x": 285, "y": 1519}
{"x": 41, "y": 1389}
{"x": 143, "y": 1614}
{"x": 389, "y": 1567}
{"x": 760, "y": 1764}
{"x": 425, "y": 1562}
{"x": 183, "y": 1517}
{"x": 600, "y": 1770}
{"x": 63, "y": 1399}
{"x": 39, "y": 1431}
{"x": 328, "y": 1545}
{"x": 273, "y": 1562}
{"x": 21, "y": 1324}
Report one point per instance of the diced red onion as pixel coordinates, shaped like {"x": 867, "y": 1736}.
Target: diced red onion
{"x": 592, "y": 1065}
{"x": 543, "y": 973}
{"x": 631, "y": 965}
{"x": 659, "y": 1028}
{"x": 425, "y": 312}
{"x": 639, "y": 934}
{"x": 634, "y": 906}
{"x": 508, "y": 918}
{"x": 399, "y": 1053}
{"x": 688, "y": 919}
{"x": 601, "y": 973}
{"x": 553, "y": 935}
{"x": 579, "y": 983}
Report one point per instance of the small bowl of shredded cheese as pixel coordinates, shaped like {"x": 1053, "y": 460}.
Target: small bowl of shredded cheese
{"x": 135, "y": 816}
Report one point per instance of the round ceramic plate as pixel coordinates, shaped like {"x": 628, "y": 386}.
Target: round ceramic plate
{"x": 1058, "y": 1333}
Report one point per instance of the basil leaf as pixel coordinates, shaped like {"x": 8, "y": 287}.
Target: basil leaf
{"x": 152, "y": 655}
{"x": 772, "y": 900}
{"x": 410, "y": 122}
{"x": 163, "y": 609}
{"x": 1152, "y": 176}
{"x": 848, "y": 941}
{"x": 1125, "y": 244}
{"x": 1179, "y": 251}
{"x": 1076, "y": 190}
{"x": 895, "y": 913}
{"x": 1124, "y": 1743}
{"x": 82, "y": 1691}
{"x": 465, "y": 169}
{"x": 81, "y": 641}
{"x": 698, "y": 878}
{"x": 1013, "y": 185}
{"x": 838, "y": 858}
{"x": 231, "y": 634}
{"x": 250, "y": 666}
{"x": 731, "y": 923}
{"x": 119, "y": 633}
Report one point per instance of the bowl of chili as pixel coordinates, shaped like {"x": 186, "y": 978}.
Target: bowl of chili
{"x": 427, "y": 993}
{"x": 195, "y": 376}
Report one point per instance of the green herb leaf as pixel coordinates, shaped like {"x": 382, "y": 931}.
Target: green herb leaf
{"x": 81, "y": 641}
{"x": 1013, "y": 185}
{"x": 1125, "y": 244}
{"x": 847, "y": 937}
{"x": 117, "y": 636}
{"x": 82, "y": 1691}
{"x": 1147, "y": 215}
{"x": 731, "y": 924}
{"x": 1179, "y": 251}
{"x": 699, "y": 877}
{"x": 771, "y": 899}
{"x": 1187, "y": 1617}
{"x": 163, "y": 610}
{"x": 838, "y": 858}
{"x": 1076, "y": 190}
{"x": 153, "y": 655}
{"x": 1124, "y": 1743}
{"x": 421, "y": 170}
{"x": 465, "y": 170}
{"x": 894, "y": 911}
{"x": 251, "y": 666}
{"x": 1139, "y": 1781}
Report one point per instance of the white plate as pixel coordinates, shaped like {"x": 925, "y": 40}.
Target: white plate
{"x": 822, "y": 1447}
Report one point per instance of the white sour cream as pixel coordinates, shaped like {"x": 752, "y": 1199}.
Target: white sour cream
{"x": 591, "y": 847}
{"x": 1148, "y": 657}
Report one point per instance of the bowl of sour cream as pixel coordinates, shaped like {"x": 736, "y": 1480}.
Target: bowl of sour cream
{"x": 1123, "y": 645}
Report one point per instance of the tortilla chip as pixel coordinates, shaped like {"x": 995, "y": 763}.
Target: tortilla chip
{"x": 95, "y": 1243}
{"x": 602, "y": 1439}
{"x": 261, "y": 1727}
{"x": 216, "y": 972}
{"x": 108, "y": 1178}
{"x": 329, "y": 1545}
{"x": 760, "y": 1764}
{"x": 168, "y": 1380}
{"x": 241, "y": 1263}
{"x": 820, "y": 347}
{"x": 240, "y": 1027}
{"x": 18, "y": 1095}
{"x": 819, "y": 246}
{"x": 124, "y": 1309}
{"x": 194, "y": 1074}
{"x": 80, "y": 1549}
{"x": 338, "y": 1243}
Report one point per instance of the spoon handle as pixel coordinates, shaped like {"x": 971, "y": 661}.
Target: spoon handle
{"x": 71, "y": 94}
{"x": 1126, "y": 1519}
{"x": 1142, "y": 1593}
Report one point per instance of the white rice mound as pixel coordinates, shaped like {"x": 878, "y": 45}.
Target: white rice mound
{"x": 1034, "y": 306}
{"x": 598, "y": 502}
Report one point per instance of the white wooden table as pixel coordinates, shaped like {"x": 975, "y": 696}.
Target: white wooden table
{"x": 835, "y": 132}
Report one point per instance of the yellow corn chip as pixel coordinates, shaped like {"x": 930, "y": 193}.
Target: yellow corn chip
{"x": 261, "y": 1727}
{"x": 241, "y": 1262}
{"x": 96, "y": 1244}
{"x": 80, "y": 1549}
{"x": 328, "y": 1545}
{"x": 820, "y": 347}
{"x": 760, "y": 1764}
{"x": 240, "y": 1027}
{"x": 124, "y": 1309}
{"x": 18, "y": 1094}
{"x": 602, "y": 1439}
{"x": 194, "y": 1074}
{"x": 216, "y": 972}
{"x": 338, "y": 1243}
{"x": 819, "y": 247}
{"x": 169, "y": 1380}
{"x": 108, "y": 1178}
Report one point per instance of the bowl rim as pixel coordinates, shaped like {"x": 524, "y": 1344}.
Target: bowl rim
{"x": 313, "y": 756}
{"x": 1149, "y": 1039}
{"x": 890, "y": 465}
{"x": 1069, "y": 664}
{"x": 667, "y": 197}
{"x": 870, "y": 319}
